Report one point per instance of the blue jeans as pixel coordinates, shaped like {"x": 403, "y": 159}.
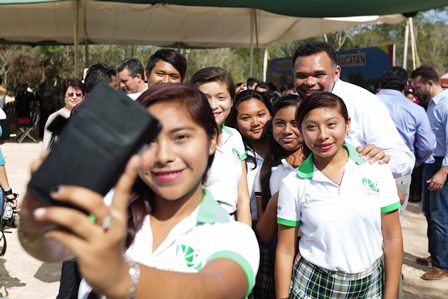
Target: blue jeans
{"x": 435, "y": 207}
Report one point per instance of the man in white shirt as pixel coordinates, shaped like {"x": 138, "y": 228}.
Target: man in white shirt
{"x": 132, "y": 77}
{"x": 372, "y": 128}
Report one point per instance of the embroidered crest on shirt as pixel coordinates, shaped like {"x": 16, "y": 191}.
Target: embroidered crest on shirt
{"x": 370, "y": 187}
{"x": 190, "y": 255}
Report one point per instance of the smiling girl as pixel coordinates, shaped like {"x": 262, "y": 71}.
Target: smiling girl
{"x": 347, "y": 211}
{"x": 226, "y": 179}
{"x": 179, "y": 242}
{"x": 251, "y": 116}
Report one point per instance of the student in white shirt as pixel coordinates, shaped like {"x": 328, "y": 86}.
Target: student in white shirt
{"x": 184, "y": 245}
{"x": 347, "y": 211}
{"x": 226, "y": 179}
{"x": 285, "y": 147}
{"x": 251, "y": 116}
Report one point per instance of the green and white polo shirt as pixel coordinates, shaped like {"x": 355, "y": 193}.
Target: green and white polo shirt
{"x": 225, "y": 173}
{"x": 341, "y": 225}
{"x": 207, "y": 234}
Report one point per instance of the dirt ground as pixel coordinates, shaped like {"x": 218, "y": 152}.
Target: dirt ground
{"x": 23, "y": 277}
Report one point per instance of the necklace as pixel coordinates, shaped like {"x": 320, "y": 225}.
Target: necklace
{"x": 335, "y": 178}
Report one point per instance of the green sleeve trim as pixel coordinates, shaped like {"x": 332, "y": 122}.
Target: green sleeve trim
{"x": 240, "y": 260}
{"x": 391, "y": 208}
{"x": 288, "y": 222}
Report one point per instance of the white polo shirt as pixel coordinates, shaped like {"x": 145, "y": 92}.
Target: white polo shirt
{"x": 207, "y": 234}
{"x": 253, "y": 180}
{"x": 341, "y": 225}
{"x": 278, "y": 173}
{"x": 225, "y": 173}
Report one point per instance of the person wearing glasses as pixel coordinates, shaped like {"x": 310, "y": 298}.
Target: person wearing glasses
{"x": 73, "y": 90}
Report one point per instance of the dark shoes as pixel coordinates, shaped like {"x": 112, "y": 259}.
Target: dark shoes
{"x": 415, "y": 198}
{"x": 425, "y": 261}
{"x": 434, "y": 274}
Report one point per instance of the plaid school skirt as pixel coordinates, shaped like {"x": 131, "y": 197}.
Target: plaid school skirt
{"x": 264, "y": 284}
{"x": 311, "y": 282}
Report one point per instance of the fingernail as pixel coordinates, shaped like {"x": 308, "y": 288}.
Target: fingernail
{"x": 56, "y": 189}
{"x": 39, "y": 212}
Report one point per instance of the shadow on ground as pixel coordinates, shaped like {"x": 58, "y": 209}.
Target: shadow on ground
{"x": 49, "y": 272}
{"x": 409, "y": 259}
{"x": 415, "y": 207}
{"x": 6, "y": 281}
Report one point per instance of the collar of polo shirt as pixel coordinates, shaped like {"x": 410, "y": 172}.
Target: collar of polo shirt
{"x": 306, "y": 169}
{"x": 210, "y": 211}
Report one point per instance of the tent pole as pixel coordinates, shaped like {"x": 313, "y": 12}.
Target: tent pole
{"x": 86, "y": 38}
{"x": 251, "y": 55}
{"x": 86, "y": 54}
{"x": 405, "y": 47}
{"x": 75, "y": 35}
{"x": 265, "y": 63}
{"x": 415, "y": 58}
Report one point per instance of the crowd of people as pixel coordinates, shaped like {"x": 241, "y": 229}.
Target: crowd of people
{"x": 250, "y": 192}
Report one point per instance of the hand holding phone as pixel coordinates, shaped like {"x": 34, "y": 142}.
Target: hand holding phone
{"x": 95, "y": 145}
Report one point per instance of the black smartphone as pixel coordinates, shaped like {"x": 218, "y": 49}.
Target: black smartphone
{"x": 95, "y": 145}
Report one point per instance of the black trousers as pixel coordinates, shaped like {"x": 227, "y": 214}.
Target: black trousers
{"x": 70, "y": 279}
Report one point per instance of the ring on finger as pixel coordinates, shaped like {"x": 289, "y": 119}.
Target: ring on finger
{"x": 106, "y": 222}
{"x": 91, "y": 218}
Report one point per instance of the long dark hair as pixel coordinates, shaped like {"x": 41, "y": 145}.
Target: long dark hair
{"x": 196, "y": 105}
{"x": 319, "y": 100}
{"x": 276, "y": 152}
{"x": 232, "y": 119}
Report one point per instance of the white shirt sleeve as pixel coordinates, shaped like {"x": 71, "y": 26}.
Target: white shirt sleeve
{"x": 236, "y": 241}
{"x": 288, "y": 207}
{"x": 388, "y": 189}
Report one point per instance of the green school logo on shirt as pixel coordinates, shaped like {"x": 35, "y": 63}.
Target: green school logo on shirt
{"x": 370, "y": 186}
{"x": 190, "y": 255}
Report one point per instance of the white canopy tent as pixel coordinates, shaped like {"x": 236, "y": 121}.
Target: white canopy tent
{"x": 162, "y": 24}
{"x": 75, "y": 22}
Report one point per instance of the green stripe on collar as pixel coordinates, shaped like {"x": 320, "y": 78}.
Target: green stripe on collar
{"x": 210, "y": 211}
{"x": 353, "y": 154}
{"x": 226, "y": 129}
{"x": 306, "y": 169}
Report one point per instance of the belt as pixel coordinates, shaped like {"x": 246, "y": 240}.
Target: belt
{"x": 438, "y": 158}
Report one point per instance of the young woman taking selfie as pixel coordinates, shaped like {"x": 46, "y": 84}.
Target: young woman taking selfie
{"x": 168, "y": 237}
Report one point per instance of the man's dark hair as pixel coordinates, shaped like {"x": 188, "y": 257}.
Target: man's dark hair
{"x": 251, "y": 81}
{"x": 263, "y": 85}
{"x": 133, "y": 65}
{"x": 96, "y": 73}
{"x": 395, "y": 78}
{"x": 426, "y": 73}
{"x": 173, "y": 57}
{"x": 311, "y": 48}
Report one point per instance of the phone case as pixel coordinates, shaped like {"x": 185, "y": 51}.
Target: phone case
{"x": 95, "y": 145}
